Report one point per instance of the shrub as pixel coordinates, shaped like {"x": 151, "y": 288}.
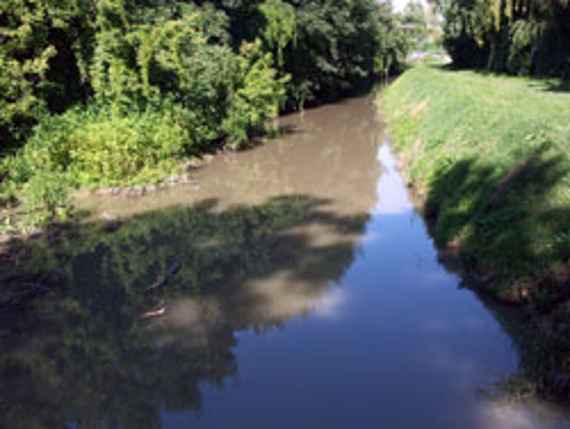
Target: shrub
{"x": 99, "y": 147}
{"x": 257, "y": 96}
{"x": 111, "y": 92}
{"x": 110, "y": 149}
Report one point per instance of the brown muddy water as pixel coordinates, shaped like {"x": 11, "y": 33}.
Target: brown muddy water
{"x": 295, "y": 286}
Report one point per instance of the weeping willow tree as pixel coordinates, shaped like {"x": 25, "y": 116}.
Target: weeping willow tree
{"x": 514, "y": 36}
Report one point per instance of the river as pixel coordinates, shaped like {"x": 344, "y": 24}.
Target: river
{"x": 293, "y": 284}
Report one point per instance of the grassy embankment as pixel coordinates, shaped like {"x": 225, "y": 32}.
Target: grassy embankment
{"x": 487, "y": 158}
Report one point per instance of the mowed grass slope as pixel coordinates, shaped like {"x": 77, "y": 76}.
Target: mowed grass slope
{"x": 488, "y": 157}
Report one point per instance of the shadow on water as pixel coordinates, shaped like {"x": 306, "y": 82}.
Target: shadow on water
{"x": 86, "y": 355}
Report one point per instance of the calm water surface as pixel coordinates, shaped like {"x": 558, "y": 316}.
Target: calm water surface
{"x": 302, "y": 291}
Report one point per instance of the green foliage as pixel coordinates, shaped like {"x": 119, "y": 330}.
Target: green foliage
{"x": 117, "y": 91}
{"x": 42, "y": 45}
{"x": 280, "y": 27}
{"x": 467, "y": 25}
{"x": 169, "y": 59}
{"x": 115, "y": 149}
{"x": 394, "y": 44}
{"x": 339, "y": 44}
{"x": 256, "y": 98}
{"x": 18, "y": 102}
{"x": 99, "y": 147}
{"x": 519, "y": 37}
{"x": 141, "y": 61}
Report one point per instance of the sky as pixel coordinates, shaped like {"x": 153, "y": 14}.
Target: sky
{"x": 400, "y": 4}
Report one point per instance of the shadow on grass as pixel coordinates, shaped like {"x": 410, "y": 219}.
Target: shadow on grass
{"x": 512, "y": 239}
{"x": 82, "y": 354}
{"x": 551, "y": 85}
{"x": 448, "y": 67}
{"x": 503, "y": 217}
{"x": 538, "y": 83}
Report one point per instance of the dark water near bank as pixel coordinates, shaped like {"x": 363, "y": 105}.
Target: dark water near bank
{"x": 300, "y": 289}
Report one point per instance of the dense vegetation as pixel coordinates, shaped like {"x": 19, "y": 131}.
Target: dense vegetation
{"x": 488, "y": 159}
{"x": 110, "y": 92}
{"x": 530, "y": 37}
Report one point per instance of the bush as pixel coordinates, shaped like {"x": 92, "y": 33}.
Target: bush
{"x": 109, "y": 149}
{"x": 98, "y": 147}
{"x": 110, "y": 93}
{"x": 257, "y": 96}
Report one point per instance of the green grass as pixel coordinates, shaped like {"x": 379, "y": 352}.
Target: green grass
{"x": 488, "y": 158}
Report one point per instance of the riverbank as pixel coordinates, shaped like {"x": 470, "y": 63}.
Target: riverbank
{"x": 224, "y": 294}
{"x": 487, "y": 161}
{"x": 123, "y": 110}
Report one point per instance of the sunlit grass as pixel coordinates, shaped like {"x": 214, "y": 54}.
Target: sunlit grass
{"x": 488, "y": 158}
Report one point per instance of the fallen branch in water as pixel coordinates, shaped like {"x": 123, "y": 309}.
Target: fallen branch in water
{"x": 162, "y": 281}
{"x": 154, "y": 313}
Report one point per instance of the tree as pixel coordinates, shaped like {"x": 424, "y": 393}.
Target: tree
{"x": 414, "y": 20}
{"x": 519, "y": 37}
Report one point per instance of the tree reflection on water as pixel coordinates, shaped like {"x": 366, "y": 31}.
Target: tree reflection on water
{"x": 82, "y": 354}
